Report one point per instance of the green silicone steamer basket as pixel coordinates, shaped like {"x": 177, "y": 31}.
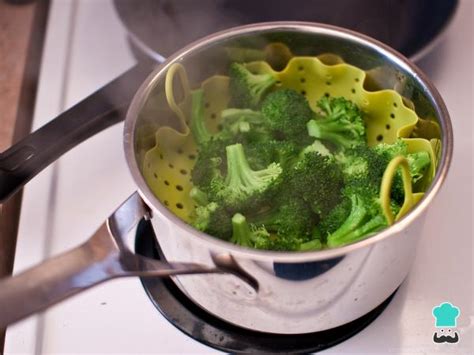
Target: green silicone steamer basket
{"x": 395, "y": 105}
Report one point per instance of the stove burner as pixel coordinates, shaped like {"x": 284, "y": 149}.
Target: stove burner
{"x": 209, "y": 330}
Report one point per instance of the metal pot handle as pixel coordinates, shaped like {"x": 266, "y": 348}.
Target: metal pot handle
{"x": 100, "y": 110}
{"x": 103, "y": 257}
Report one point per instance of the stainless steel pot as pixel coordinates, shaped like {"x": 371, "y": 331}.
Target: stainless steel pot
{"x": 275, "y": 292}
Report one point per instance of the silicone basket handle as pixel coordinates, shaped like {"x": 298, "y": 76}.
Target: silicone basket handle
{"x": 174, "y": 69}
{"x": 386, "y": 187}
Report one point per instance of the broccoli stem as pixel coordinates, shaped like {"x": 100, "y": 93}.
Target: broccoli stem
{"x": 240, "y": 174}
{"x": 240, "y": 120}
{"x": 238, "y": 169}
{"x": 356, "y": 216}
{"x": 314, "y": 244}
{"x": 241, "y": 233}
{"x": 330, "y": 130}
{"x": 231, "y": 115}
{"x": 363, "y": 231}
{"x": 316, "y": 147}
{"x": 247, "y": 89}
{"x": 342, "y": 123}
{"x": 198, "y": 126}
{"x": 198, "y": 196}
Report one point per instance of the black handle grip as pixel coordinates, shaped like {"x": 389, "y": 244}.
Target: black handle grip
{"x": 100, "y": 110}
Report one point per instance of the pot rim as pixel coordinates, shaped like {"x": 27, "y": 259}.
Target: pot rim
{"x": 385, "y": 51}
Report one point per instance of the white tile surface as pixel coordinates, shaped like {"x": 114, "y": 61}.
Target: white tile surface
{"x": 33, "y": 226}
{"x": 93, "y": 179}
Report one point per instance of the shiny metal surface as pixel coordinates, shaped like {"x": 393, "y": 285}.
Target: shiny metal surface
{"x": 294, "y": 298}
{"x": 103, "y": 257}
{"x": 366, "y": 272}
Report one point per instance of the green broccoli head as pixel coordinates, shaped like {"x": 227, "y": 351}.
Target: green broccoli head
{"x": 237, "y": 120}
{"x": 279, "y": 242}
{"x": 213, "y": 220}
{"x": 210, "y": 163}
{"x": 242, "y": 185}
{"x": 335, "y": 218}
{"x": 288, "y": 216}
{"x": 390, "y": 151}
{"x": 244, "y": 126}
{"x": 341, "y": 123}
{"x": 232, "y": 115}
{"x": 318, "y": 180}
{"x": 247, "y": 235}
{"x": 362, "y": 162}
{"x": 317, "y": 147}
{"x": 260, "y": 154}
{"x": 356, "y": 217}
{"x": 364, "y": 214}
{"x": 248, "y": 89}
{"x": 287, "y": 112}
{"x": 360, "y": 222}
{"x": 418, "y": 163}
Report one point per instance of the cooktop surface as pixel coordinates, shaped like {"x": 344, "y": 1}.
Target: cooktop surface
{"x": 86, "y": 47}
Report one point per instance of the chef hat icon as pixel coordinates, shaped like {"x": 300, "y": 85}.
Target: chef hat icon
{"x": 446, "y": 315}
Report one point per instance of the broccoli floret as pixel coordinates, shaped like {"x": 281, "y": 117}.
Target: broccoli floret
{"x": 287, "y": 112}
{"x": 362, "y": 162}
{"x": 247, "y": 89}
{"x": 232, "y": 115}
{"x": 288, "y": 216}
{"x": 202, "y": 215}
{"x": 317, "y": 147}
{"x": 209, "y": 165}
{"x": 418, "y": 163}
{"x": 237, "y": 121}
{"x": 261, "y": 154}
{"x": 390, "y": 151}
{"x": 341, "y": 123}
{"x": 279, "y": 242}
{"x": 198, "y": 196}
{"x": 257, "y": 236}
{"x": 198, "y": 126}
{"x": 242, "y": 185}
{"x": 247, "y": 235}
{"x": 318, "y": 180}
{"x": 214, "y": 220}
{"x": 335, "y": 218}
{"x": 356, "y": 216}
{"x": 365, "y": 215}
{"x": 286, "y": 153}
{"x": 244, "y": 125}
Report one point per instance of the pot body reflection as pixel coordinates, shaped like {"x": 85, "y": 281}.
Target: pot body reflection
{"x": 298, "y": 292}
{"x": 293, "y": 298}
